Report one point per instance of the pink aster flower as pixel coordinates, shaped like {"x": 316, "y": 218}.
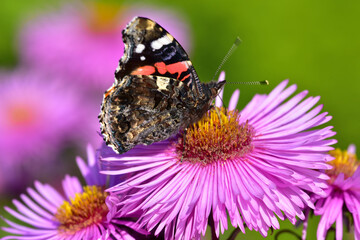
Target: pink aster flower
{"x": 80, "y": 212}
{"x": 254, "y": 165}
{"x": 342, "y": 196}
{"x": 38, "y": 114}
{"x": 84, "y": 42}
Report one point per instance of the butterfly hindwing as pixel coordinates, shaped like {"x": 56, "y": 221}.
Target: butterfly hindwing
{"x": 143, "y": 109}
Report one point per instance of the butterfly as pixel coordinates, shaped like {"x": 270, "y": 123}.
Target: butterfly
{"x": 156, "y": 92}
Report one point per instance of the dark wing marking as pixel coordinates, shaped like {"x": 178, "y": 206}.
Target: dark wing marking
{"x": 151, "y": 50}
{"x": 141, "y": 110}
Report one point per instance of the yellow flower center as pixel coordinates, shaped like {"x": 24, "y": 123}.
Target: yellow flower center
{"x": 20, "y": 115}
{"x": 218, "y": 136}
{"x": 102, "y": 16}
{"x": 344, "y": 162}
{"x": 84, "y": 210}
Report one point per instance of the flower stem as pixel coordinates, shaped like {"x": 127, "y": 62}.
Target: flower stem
{"x": 277, "y": 235}
{"x": 234, "y": 234}
{"x": 212, "y": 227}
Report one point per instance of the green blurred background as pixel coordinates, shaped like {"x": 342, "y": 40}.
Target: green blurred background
{"x": 315, "y": 44}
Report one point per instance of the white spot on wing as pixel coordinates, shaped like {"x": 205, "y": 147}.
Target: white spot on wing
{"x": 140, "y": 48}
{"x": 162, "y": 83}
{"x": 156, "y": 45}
{"x": 142, "y": 58}
{"x": 164, "y": 40}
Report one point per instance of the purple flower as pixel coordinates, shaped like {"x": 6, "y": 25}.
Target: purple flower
{"x": 344, "y": 190}
{"x": 38, "y": 114}
{"x": 81, "y": 212}
{"x": 254, "y": 165}
{"x": 84, "y": 43}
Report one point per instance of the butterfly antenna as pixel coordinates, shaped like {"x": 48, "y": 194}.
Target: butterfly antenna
{"x": 264, "y": 82}
{"x": 228, "y": 54}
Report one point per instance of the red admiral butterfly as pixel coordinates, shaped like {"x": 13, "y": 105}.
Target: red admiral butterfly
{"x": 156, "y": 92}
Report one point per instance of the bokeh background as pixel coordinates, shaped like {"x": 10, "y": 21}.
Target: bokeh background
{"x": 66, "y": 52}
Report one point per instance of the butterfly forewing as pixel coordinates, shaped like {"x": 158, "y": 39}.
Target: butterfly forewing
{"x": 151, "y": 50}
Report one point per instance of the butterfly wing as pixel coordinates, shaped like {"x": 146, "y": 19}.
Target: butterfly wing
{"x": 151, "y": 50}
{"x": 143, "y": 109}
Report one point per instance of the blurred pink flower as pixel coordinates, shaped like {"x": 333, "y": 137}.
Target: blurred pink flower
{"x": 252, "y": 166}
{"x": 39, "y": 117}
{"x": 344, "y": 190}
{"x": 84, "y": 42}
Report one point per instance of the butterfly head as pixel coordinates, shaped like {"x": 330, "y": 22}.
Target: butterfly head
{"x": 210, "y": 91}
{"x": 215, "y": 89}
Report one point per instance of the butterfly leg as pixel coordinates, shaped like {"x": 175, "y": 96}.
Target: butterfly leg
{"x": 184, "y": 144}
{"x": 218, "y": 113}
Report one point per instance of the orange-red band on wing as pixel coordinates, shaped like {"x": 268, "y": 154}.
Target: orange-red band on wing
{"x": 178, "y": 67}
{"x": 186, "y": 77}
{"x": 145, "y": 70}
{"x": 162, "y": 68}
